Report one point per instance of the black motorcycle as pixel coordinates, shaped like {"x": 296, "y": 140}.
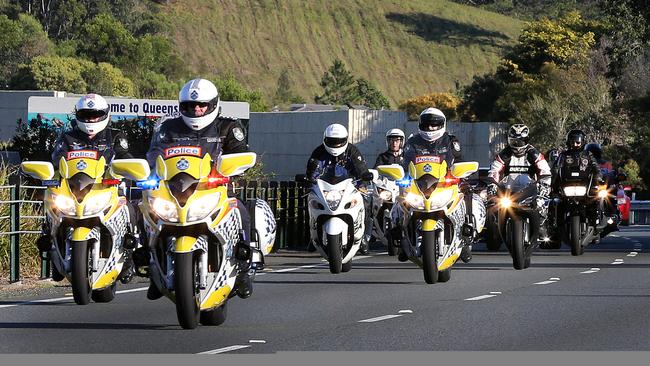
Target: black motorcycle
{"x": 578, "y": 211}
{"x": 517, "y": 208}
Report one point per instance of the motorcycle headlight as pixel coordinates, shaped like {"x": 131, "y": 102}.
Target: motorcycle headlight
{"x": 505, "y": 202}
{"x": 603, "y": 193}
{"x": 414, "y": 200}
{"x": 333, "y": 199}
{"x": 97, "y": 203}
{"x": 166, "y": 210}
{"x": 441, "y": 198}
{"x": 64, "y": 204}
{"x": 385, "y": 195}
{"x": 575, "y": 191}
{"x": 201, "y": 208}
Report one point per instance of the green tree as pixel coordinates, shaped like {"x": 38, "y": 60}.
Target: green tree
{"x": 105, "y": 79}
{"x": 370, "y": 96}
{"x": 107, "y": 40}
{"x": 283, "y": 92}
{"x": 338, "y": 85}
{"x": 20, "y": 41}
{"x": 230, "y": 89}
{"x": 446, "y": 102}
{"x": 53, "y": 73}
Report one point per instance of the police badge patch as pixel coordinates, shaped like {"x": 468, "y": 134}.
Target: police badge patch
{"x": 124, "y": 144}
{"x": 456, "y": 145}
{"x": 182, "y": 164}
{"x": 427, "y": 168}
{"x": 81, "y": 165}
{"x": 238, "y": 133}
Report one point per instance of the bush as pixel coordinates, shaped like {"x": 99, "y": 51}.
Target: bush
{"x": 446, "y": 102}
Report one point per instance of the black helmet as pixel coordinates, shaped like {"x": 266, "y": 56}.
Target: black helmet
{"x": 596, "y": 150}
{"x": 518, "y": 138}
{"x": 575, "y": 140}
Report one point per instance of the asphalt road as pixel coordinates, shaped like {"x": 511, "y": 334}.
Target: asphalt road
{"x": 596, "y": 302}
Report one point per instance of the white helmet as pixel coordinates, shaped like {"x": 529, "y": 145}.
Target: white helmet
{"x": 199, "y": 92}
{"x": 432, "y": 124}
{"x": 395, "y": 133}
{"x": 335, "y": 139}
{"x": 91, "y": 113}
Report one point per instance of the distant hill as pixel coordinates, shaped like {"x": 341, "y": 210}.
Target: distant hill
{"x": 405, "y": 47}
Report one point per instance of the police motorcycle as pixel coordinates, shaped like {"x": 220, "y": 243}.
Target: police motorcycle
{"x": 336, "y": 216}
{"x": 431, "y": 212}
{"x": 384, "y": 194}
{"x": 87, "y": 224}
{"x": 517, "y": 207}
{"x": 578, "y": 211}
{"x": 194, "y": 228}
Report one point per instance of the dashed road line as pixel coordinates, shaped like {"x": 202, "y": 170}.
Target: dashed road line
{"x": 495, "y": 292}
{"x": 617, "y": 261}
{"x": 482, "y": 297}
{"x": 406, "y": 311}
{"x": 545, "y": 282}
{"x": 380, "y": 318}
{"x": 225, "y": 349}
{"x": 593, "y": 270}
{"x": 633, "y": 254}
{"x": 256, "y": 341}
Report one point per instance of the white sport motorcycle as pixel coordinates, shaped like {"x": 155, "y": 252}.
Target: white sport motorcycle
{"x": 336, "y": 220}
{"x": 385, "y": 193}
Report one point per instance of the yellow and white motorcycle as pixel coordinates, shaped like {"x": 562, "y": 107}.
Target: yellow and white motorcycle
{"x": 193, "y": 229}
{"x": 431, "y": 212}
{"x": 87, "y": 222}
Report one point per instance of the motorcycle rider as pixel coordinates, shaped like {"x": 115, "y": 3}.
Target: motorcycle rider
{"x": 90, "y": 132}
{"x": 395, "y": 153}
{"x": 337, "y": 153}
{"x": 199, "y": 123}
{"x": 610, "y": 178}
{"x": 520, "y": 157}
{"x": 433, "y": 139}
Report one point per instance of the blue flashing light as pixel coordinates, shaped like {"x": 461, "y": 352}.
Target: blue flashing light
{"x": 151, "y": 183}
{"x": 404, "y": 182}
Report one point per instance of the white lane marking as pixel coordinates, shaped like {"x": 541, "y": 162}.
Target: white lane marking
{"x": 256, "y": 341}
{"x": 554, "y": 278}
{"x": 593, "y": 270}
{"x": 633, "y": 254}
{"x": 59, "y": 299}
{"x": 225, "y": 349}
{"x": 480, "y": 297}
{"x": 314, "y": 265}
{"x": 495, "y": 292}
{"x": 406, "y": 311}
{"x": 545, "y": 282}
{"x": 617, "y": 261}
{"x": 379, "y": 318}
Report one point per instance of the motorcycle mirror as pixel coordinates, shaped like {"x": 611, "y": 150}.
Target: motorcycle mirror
{"x": 133, "y": 169}
{"x": 394, "y": 171}
{"x": 42, "y": 170}
{"x": 375, "y": 174}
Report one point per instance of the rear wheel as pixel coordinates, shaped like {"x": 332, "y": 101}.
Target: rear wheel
{"x": 517, "y": 250}
{"x": 80, "y": 272}
{"x": 104, "y": 295}
{"x": 429, "y": 258}
{"x": 575, "y": 239}
{"x": 215, "y": 316}
{"x": 334, "y": 253}
{"x": 186, "y": 289}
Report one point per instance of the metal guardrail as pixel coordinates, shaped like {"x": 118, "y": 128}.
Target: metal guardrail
{"x": 640, "y": 212}
{"x": 288, "y": 201}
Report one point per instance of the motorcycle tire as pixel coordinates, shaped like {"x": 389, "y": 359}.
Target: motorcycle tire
{"x": 575, "y": 239}
{"x": 444, "y": 276}
{"x": 517, "y": 248}
{"x": 391, "y": 244}
{"x": 104, "y": 295}
{"x": 346, "y": 267}
{"x": 492, "y": 237}
{"x": 214, "y": 317}
{"x": 429, "y": 257}
{"x": 80, "y": 273}
{"x": 334, "y": 253}
{"x": 186, "y": 290}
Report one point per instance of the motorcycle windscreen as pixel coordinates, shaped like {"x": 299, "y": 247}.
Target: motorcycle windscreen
{"x": 80, "y": 184}
{"x": 517, "y": 182}
{"x": 90, "y": 164}
{"x": 332, "y": 173}
{"x": 431, "y": 165}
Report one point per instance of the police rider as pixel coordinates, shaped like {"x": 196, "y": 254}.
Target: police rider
{"x": 336, "y": 152}
{"x": 90, "y": 132}
{"x": 520, "y": 157}
{"x": 199, "y": 123}
{"x": 433, "y": 139}
{"x": 395, "y": 144}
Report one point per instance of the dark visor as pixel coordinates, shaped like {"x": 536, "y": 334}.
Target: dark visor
{"x": 431, "y": 122}
{"x": 335, "y": 142}
{"x": 85, "y": 114}
{"x": 516, "y": 142}
{"x": 188, "y": 108}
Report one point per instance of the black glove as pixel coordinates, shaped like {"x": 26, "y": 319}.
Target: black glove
{"x": 492, "y": 189}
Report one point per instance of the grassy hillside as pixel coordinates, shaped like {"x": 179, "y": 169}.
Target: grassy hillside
{"x": 405, "y": 47}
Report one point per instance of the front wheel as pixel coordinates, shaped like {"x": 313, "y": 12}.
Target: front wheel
{"x": 576, "y": 245}
{"x": 334, "y": 253}
{"x": 215, "y": 316}
{"x": 81, "y": 272}
{"x": 429, "y": 258}
{"x": 517, "y": 235}
{"x": 493, "y": 238}
{"x": 105, "y": 295}
{"x": 186, "y": 289}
